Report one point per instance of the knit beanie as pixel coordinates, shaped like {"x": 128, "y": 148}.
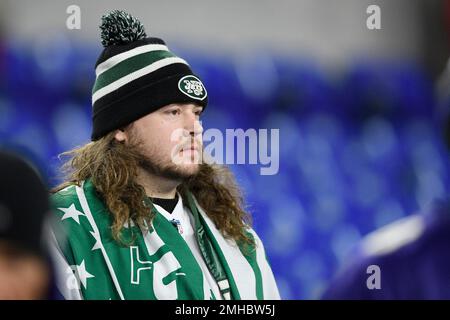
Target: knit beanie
{"x": 136, "y": 75}
{"x": 24, "y": 203}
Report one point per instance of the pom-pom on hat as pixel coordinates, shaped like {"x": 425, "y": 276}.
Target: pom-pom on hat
{"x": 136, "y": 75}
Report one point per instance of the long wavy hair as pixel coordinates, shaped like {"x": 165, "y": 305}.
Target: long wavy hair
{"x": 112, "y": 167}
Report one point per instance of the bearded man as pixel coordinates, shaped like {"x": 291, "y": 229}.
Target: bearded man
{"x": 141, "y": 215}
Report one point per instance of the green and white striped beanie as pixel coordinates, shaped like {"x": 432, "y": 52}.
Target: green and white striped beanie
{"x": 136, "y": 75}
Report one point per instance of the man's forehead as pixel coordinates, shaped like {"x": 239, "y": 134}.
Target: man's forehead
{"x": 183, "y": 104}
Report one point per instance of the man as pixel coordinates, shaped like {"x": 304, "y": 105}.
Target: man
{"x": 143, "y": 216}
{"x": 24, "y": 269}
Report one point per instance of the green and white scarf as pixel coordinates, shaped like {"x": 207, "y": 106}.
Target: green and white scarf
{"x": 157, "y": 265}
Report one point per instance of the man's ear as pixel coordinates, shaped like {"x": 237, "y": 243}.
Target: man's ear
{"x": 120, "y": 135}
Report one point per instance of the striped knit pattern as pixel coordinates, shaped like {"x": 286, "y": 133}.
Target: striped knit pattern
{"x": 120, "y": 70}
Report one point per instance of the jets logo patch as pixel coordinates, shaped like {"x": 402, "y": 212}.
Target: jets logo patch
{"x": 192, "y": 87}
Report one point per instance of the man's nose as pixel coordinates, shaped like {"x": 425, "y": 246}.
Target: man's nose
{"x": 193, "y": 124}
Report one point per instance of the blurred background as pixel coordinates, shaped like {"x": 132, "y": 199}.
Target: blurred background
{"x": 360, "y": 111}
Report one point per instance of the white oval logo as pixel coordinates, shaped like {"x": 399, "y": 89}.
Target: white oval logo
{"x": 192, "y": 87}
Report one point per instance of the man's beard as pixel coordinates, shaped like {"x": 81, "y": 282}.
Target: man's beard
{"x": 169, "y": 171}
{"x": 154, "y": 165}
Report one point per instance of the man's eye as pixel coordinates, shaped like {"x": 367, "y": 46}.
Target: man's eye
{"x": 174, "y": 112}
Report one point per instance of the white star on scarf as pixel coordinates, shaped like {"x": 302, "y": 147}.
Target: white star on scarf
{"x": 71, "y": 212}
{"x": 83, "y": 275}
{"x": 98, "y": 243}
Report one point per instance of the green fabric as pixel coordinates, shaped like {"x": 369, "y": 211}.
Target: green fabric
{"x": 211, "y": 251}
{"x": 128, "y": 66}
{"x": 250, "y": 255}
{"x": 157, "y": 265}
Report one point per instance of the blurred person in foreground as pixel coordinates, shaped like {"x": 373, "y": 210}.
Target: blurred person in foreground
{"x": 408, "y": 259}
{"x": 24, "y": 268}
{"x": 142, "y": 217}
